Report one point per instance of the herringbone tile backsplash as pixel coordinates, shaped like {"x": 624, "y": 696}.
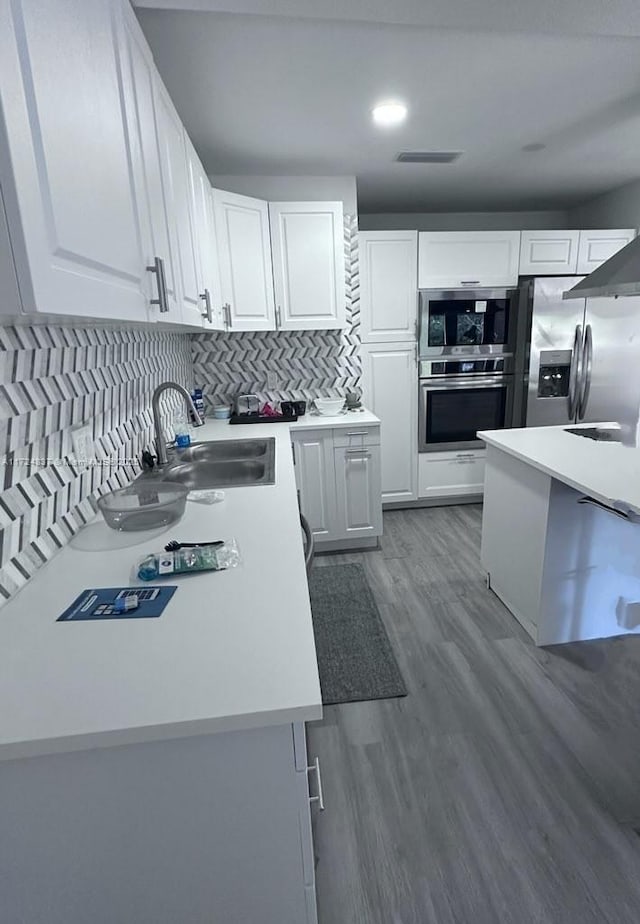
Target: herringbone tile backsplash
{"x": 52, "y": 378}
{"x": 307, "y": 364}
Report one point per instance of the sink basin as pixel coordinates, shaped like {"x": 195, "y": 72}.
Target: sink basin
{"x": 226, "y": 474}
{"x": 223, "y": 464}
{"x": 224, "y": 449}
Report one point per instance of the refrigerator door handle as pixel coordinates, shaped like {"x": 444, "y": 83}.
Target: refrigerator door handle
{"x": 587, "y": 363}
{"x": 574, "y": 373}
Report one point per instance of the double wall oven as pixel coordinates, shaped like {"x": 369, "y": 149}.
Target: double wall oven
{"x": 466, "y": 349}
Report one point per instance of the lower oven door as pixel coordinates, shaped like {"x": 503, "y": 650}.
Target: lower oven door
{"x": 452, "y": 410}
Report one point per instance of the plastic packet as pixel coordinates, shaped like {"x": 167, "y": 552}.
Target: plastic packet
{"x": 207, "y": 496}
{"x": 188, "y": 561}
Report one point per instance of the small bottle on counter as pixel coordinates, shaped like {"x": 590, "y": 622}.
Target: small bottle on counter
{"x": 181, "y": 429}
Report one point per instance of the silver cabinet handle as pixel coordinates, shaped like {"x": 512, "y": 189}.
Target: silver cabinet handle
{"x": 358, "y": 453}
{"x": 357, "y": 432}
{"x": 162, "y": 300}
{"x": 227, "y": 315}
{"x": 206, "y": 297}
{"x": 587, "y": 363}
{"x": 278, "y": 318}
{"x": 469, "y": 282}
{"x": 315, "y": 768}
{"x": 308, "y": 559}
{"x": 574, "y": 372}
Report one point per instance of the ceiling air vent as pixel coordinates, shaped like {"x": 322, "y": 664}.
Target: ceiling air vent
{"x": 428, "y": 157}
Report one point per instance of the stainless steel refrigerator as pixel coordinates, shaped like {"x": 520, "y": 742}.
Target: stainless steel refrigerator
{"x": 578, "y": 359}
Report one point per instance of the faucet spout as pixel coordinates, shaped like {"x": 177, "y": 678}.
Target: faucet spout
{"x": 161, "y": 446}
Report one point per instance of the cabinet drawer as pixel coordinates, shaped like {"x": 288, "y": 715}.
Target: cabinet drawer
{"x": 451, "y": 474}
{"x": 356, "y": 437}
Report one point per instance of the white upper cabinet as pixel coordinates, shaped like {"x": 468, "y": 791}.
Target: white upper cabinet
{"x": 388, "y": 285}
{"x": 307, "y": 243}
{"x": 208, "y": 276}
{"x": 390, "y": 390}
{"x": 549, "y": 253}
{"x": 244, "y": 247}
{"x": 598, "y": 246}
{"x": 175, "y": 174}
{"x": 474, "y": 259}
{"x": 68, "y": 162}
{"x": 152, "y": 197}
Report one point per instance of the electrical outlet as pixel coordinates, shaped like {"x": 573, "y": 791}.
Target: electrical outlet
{"x": 82, "y": 442}
{"x": 272, "y": 380}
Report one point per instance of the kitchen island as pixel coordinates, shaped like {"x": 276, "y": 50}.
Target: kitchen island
{"x": 155, "y": 770}
{"x": 561, "y": 532}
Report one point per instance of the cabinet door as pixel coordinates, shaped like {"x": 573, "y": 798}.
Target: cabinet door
{"x": 209, "y": 289}
{"x": 597, "y": 246}
{"x": 548, "y": 253}
{"x": 153, "y": 200}
{"x": 242, "y": 229}
{"x": 388, "y": 285}
{"x": 451, "y": 474}
{"x": 455, "y": 259}
{"x": 390, "y": 390}
{"x": 67, "y": 162}
{"x": 315, "y": 477}
{"x": 307, "y": 243}
{"x": 176, "y": 182}
{"x": 358, "y": 492}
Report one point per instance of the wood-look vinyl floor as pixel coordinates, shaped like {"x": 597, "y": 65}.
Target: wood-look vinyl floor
{"x": 506, "y": 786}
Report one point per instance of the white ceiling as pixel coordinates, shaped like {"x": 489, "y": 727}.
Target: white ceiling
{"x": 276, "y": 95}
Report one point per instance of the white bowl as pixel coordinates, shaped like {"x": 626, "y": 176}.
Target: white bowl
{"x": 329, "y": 407}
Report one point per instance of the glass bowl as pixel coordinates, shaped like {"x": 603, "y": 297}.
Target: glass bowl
{"x": 143, "y": 505}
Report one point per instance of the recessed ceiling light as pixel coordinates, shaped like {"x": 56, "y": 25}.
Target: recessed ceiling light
{"x": 388, "y": 113}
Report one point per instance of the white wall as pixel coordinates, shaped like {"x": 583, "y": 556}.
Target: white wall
{"x": 287, "y": 188}
{"x": 619, "y": 208}
{"x": 464, "y": 221}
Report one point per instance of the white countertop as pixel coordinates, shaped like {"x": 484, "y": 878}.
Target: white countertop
{"x": 232, "y": 650}
{"x": 608, "y": 472}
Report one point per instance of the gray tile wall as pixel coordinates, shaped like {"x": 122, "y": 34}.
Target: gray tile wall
{"x": 306, "y": 363}
{"x": 52, "y": 378}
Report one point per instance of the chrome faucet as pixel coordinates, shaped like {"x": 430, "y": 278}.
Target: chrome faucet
{"x": 161, "y": 446}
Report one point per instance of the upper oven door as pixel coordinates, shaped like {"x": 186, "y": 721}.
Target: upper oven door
{"x": 452, "y": 410}
{"x": 461, "y": 322}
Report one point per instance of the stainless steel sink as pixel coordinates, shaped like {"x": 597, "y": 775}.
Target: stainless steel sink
{"x": 223, "y": 450}
{"x": 225, "y": 464}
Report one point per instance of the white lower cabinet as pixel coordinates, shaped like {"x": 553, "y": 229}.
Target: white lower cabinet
{"x": 451, "y": 474}
{"x": 358, "y": 500}
{"x": 207, "y": 828}
{"x": 315, "y": 478}
{"x": 338, "y": 478}
{"x": 390, "y": 389}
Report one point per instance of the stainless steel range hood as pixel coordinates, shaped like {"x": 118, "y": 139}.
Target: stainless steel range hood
{"x": 620, "y": 275}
